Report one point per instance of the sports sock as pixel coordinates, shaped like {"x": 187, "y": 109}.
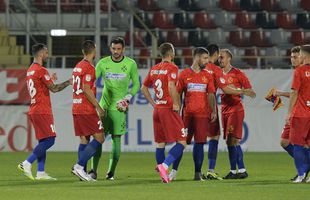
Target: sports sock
{"x": 80, "y": 150}
{"x": 95, "y": 159}
{"x": 174, "y": 153}
{"x": 198, "y": 156}
{"x": 88, "y": 152}
{"x": 299, "y": 158}
{"x": 115, "y": 154}
{"x": 176, "y": 163}
{"x": 160, "y": 155}
{"x": 41, "y": 148}
{"x": 212, "y": 154}
{"x": 240, "y": 162}
{"x": 232, "y": 151}
{"x": 290, "y": 150}
{"x": 41, "y": 163}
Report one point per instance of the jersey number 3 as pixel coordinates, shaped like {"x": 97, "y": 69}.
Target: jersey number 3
{"x": 159, "y": 89}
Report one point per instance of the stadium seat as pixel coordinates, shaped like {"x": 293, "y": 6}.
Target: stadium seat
{"x": 279, "y": 37}
{"x": 251, "y": 56}
{"x": 203, "y": 20}
{"x": 104, "y": 5}
{"x": 305, "y": 4}
{"x": 270, "y": 5}
{"x": 284, "y": 20}
{"x": 2, "y": 5}
{"x": 259, "y": 38}
{"x": 196, "y": 38}
{"x": 120, "y": 19}
{"x": 238, "y": 38}
{"x": 168, "y": 5}
{"x": 298, "y": 37}
{"x": 45, "y": 6}
{"x": 224, "y": 19}
{"x": 182, "y": 20}
{"x": 218, "y": 36}
{"x": 187, "y": 54}
{"x": 244, "y": 20}
{"x": 69, "y": 6}
{"x": 124, "y": 4}
{"x": 263, "y": 20}
{"x": 144, "y": 56}
{"x": 250, "y": 5}
{"x": 147, "y": 5}
{"x": 206, "y": 4}
{"x": 229, "y": 5}
{"x": 145, "y": 18}
{"x": 177, "y": 38}
{"x": 303, "y": 20}
{"x": 290, "y": 5}
{"x": 161, "y": 19}
{"x": 188, "y": 5}
{"x": 87, "y": 7}
{"x": 137, "y": 38}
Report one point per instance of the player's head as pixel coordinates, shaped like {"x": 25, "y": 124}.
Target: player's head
{"x": 201, "y": 57}
{"x": 305, "y": 54}
{"x": 214, "y": 52}
{"x": 40, "y": 52}
{"x": 117, "y": 47}
{"x": 89, "y": 48}
{"x": 225, "y": 57}
{"x": 166, "y": 50}
{"x": 295, "y": 56}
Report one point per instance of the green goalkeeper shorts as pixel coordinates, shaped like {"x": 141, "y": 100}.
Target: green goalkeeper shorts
{"x": 115, "y": 122}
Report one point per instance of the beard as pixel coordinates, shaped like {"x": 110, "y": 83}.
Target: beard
{"x": 202, "y": 66}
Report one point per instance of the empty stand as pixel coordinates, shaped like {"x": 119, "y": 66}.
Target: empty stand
{"x": 244, "y": 20}
{"x": 285, "y": 20}
{"x": 161, "y": 19}
{"x": 203, "y": 20}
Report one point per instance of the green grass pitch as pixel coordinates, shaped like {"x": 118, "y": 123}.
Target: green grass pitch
{"x": 269, "y": 175}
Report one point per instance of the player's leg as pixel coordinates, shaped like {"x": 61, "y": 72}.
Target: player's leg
{"x": 84, "y": 140}
{"x": 198, "y": 157}
{"x": 114, "y": 156}
{"x": 285, "y": 144}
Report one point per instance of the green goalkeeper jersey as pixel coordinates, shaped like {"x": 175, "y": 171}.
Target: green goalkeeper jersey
{"x": 116, "y": 78}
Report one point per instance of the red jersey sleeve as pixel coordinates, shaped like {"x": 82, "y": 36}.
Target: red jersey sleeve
{"x": 88, "y": 77}
{"x": 45, "y": 77}
{"x": 147, "y": 81}
{"x": 173, "y": 74}
{"x": 244, "y": 81}
{"x": 296, "y": 81}
{"x": 211, "y": 87}
{"x": 180, "y": 84}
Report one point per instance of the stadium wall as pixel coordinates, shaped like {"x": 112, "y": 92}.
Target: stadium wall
{"x": 262, "y": 126}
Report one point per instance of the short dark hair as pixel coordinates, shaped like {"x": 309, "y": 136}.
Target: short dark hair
{"x": 36, "y": 48}
{"x": 305, "y": 48}
{"x": 228, "y": 52}
{"x": 164, "y": 48}
{"x": 295, "y": 49}
{"x": 213, "y": 48}
{"x": 88, "y": 46}
{"x": 200, "y": 50}
{"x": 117, "y": 40}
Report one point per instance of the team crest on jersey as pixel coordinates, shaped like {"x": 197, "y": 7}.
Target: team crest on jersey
{"x": 124, "y": 68}
{"x": 173, "y": 75}
{"x": 222, "y": 80}
{"x": 204, "y": 79}
{"x": 88, "y": 77}
{"x": 47, "y": 77}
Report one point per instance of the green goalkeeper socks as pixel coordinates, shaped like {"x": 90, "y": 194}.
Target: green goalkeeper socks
{"x": 115, "y": 153}
{"x": 95, "y": 159}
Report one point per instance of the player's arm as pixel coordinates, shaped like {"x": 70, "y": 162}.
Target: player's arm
{"x": 246, "y": 85}
{"x": 281, "y": 93}
{"x": 59, "y": 87}
{"x": 135, "y": 80}
{"x": 212, "y": 103}
{"x": 174, "y": 96}
{"x": 98, "y": 70}
{"x": 145, "y": 91}
{"x": 293, "y": 95}
{"x": 92, "y": 99}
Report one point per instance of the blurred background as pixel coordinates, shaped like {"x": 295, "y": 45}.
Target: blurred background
{"x": 260, "y": 33}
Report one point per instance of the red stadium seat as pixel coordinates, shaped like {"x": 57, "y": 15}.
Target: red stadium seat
{"x": 305, "y": 4}
{"x": 144, "y": 56}
{"x": 161, "y": 20}
{"x": 147, "y": 5}
{"x": 284, "y": 20}
{"x": 229, "y": 5}
{"x": 187, "y": 55}
{"x": 270, "y": 5}
{"x": 104, "y": 6}
{"x": 251, "y": 56}
{"x": 87, "y": 6}
{"x": 259, "y": 38}
{"x": 69, "y": 6}
{"x": 138, "y": 39}
{"x": 243, "y": 20}
{"x": 176, "y": 38}
{"x": 2, "y": 5}
{"x": 238, "y": 39}
{"x": 298, "y": 38}
{"x": 45, "y": 6}
{"x": 203, "y": 20}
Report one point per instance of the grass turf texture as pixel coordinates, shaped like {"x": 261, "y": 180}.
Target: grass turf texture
{"x": 269, "y": 175}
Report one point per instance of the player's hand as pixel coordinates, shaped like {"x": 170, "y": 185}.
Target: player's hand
{"x": 249, "y": 92}
{"x": 213, "y": 117}
{"x": 101, "y": 113}
{"x": 54, "y": 77}
{"x": 176, "y": 108}
{"x": 122, "y": 105}
{"x": 71, "y": 81}
{"x": 276, "y": 92}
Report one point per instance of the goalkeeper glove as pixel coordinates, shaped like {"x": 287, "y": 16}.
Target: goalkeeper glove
{"x": 122, "y": 105}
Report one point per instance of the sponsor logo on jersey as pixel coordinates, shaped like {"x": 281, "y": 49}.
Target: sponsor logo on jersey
{"x": 196, "y": 87}
{"x": 30, "y": 73}
{"x": 158, "y": 72}
{"x": 160, "y": 102}
{"x": 77, "y": 101}
{"x": 88, "y": 77}
{"x": 115, "y": 76}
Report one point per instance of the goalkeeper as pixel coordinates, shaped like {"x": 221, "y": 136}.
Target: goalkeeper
{"x": 116, "y": 71}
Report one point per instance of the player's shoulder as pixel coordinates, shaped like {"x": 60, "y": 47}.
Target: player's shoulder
{"x": 104, "y": 60}
{"x": 129, "y": 60}
{"x": 237, "y": 71}
{"x": 186, "y": 70}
